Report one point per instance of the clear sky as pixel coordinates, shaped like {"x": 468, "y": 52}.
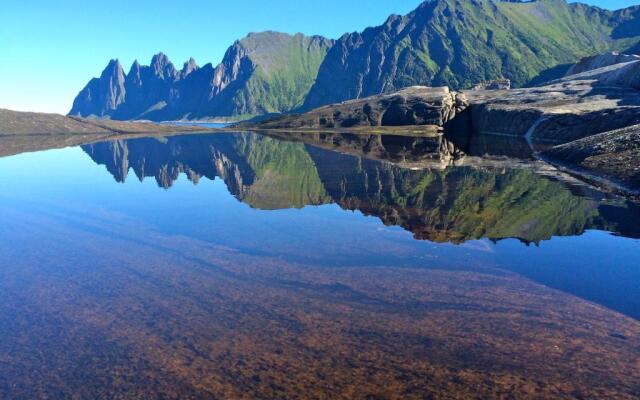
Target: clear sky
{"x": 50, "y": 49}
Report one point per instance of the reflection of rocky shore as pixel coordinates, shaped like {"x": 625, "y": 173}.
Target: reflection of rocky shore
{"x": 464, "y": 203}
{"x": 369, "y": 174}
{"x": 433, "y": 151}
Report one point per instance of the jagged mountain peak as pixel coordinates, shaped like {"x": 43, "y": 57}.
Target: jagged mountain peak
{"x": 163, "y": 67}
{"x": 102, "y": 95}
{"x": 190, "y": 63}
{"x": 135, "y": 69}
{"x": 113, "y": 70}
{"x": 134, "y": 76}
{"x": 160, "y": 59}
{"x": 188, "y": 67}
{"x": 114, "y": 63}
{"x": 275, "y": 69}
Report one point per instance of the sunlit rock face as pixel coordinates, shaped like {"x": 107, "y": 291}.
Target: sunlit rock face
{"x": 103, "y": 95}
{"x": 600, "y": 61}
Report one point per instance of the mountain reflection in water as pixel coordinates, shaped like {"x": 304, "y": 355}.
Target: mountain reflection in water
{"x": 404, "y": 181}
{"x": 123, "y": 290}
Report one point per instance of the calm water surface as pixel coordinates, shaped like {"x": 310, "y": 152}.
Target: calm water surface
{"x": 246, "y": 266}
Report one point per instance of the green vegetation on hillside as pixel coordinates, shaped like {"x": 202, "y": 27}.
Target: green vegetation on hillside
{"x": 460, "y": 204}
{"x": 282, "y": 70}
{"x": 459, "y": 43}
{"x": 285, "y": 175}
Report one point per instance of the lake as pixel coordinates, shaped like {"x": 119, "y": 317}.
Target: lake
{"x": 246, "y": 266}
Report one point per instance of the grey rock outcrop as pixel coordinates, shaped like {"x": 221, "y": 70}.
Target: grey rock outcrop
{"x": 417, "y": 105}
{"x": 572, "y": 107}
{"x": 624, "y": 75}
{"x": 600, "y": 61}
{"x": 615, "y": 155}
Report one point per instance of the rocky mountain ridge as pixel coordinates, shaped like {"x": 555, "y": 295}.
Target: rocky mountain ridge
{"x": 263, "y": 73}
{"x": 455, "y": 43}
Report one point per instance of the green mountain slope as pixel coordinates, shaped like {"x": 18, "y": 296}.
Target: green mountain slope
{"x": 285, "y": 175}
{"x": 459, "y": 42}
{"x": 268, "y": 72}
{"x": 460, "y": 203}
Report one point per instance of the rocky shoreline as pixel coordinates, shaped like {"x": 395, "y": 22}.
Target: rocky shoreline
{"x": 30, "y": 123}
{"x": 587, "y": 121}
{"x": 612, "y": 155}
{"x": 417, "y": 105}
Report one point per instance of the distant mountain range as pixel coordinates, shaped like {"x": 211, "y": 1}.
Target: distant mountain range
{"x": 454, "y": 43}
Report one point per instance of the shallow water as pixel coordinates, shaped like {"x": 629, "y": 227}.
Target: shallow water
{"x": 246, "y": 266}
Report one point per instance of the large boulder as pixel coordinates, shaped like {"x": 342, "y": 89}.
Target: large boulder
{"x": 416, "y": 105}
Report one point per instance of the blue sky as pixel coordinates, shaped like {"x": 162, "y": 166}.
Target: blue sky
{"x": 49, "y": 50}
